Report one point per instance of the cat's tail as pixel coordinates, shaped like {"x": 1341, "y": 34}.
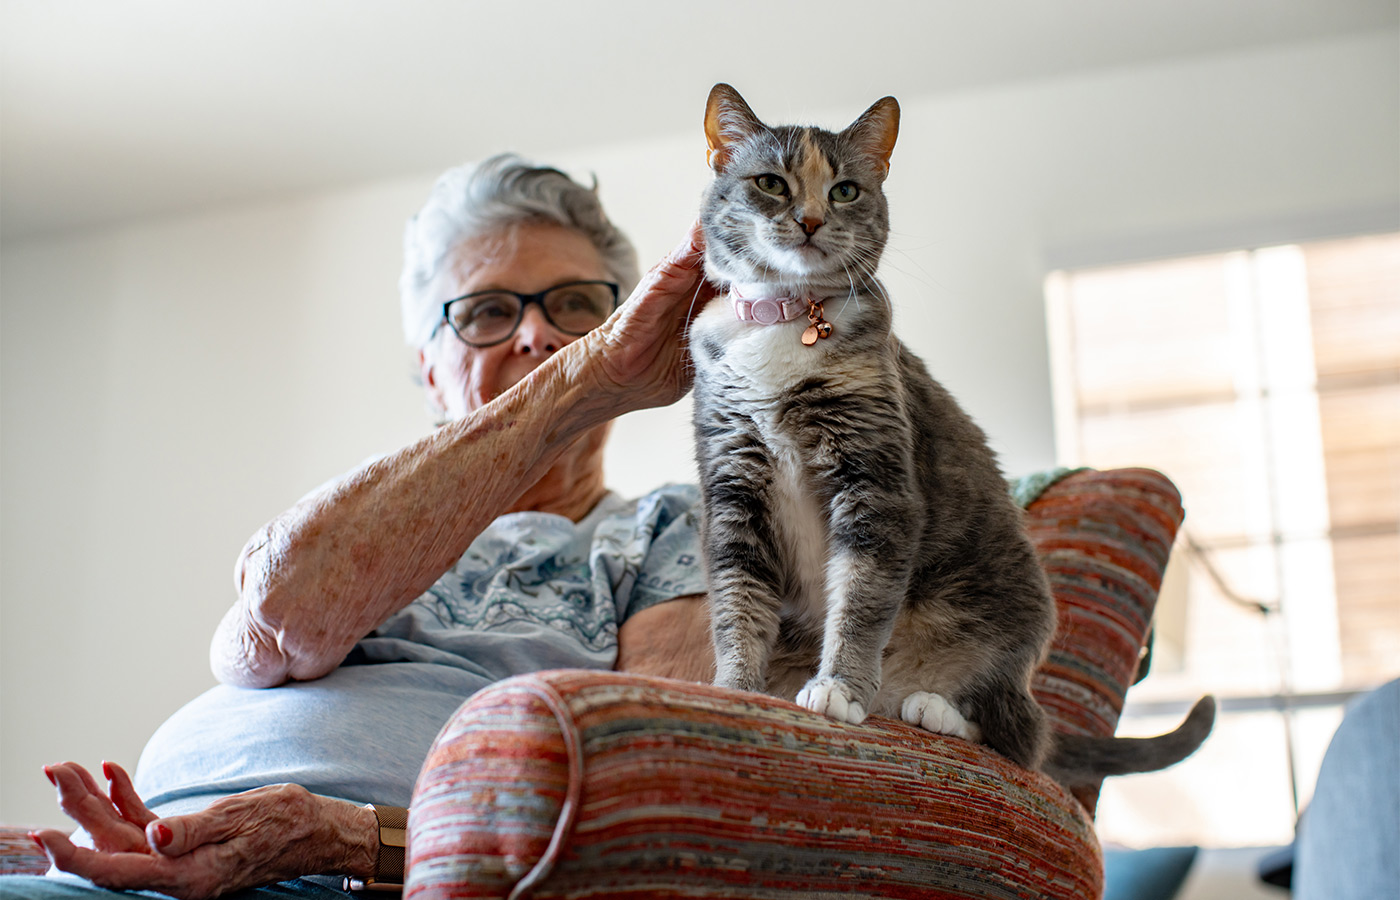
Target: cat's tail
{"x": 1076, "y": 759}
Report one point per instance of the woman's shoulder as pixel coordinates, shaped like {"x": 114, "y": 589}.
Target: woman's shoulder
{"x": 683, "y": 495}
{"x": 657, "y": 508}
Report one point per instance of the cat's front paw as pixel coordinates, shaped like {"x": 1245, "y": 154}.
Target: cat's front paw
{"x": 831, "y": 698}
{"x": 933, "y": 713}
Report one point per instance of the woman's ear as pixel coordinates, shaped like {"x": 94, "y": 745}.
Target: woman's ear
{"x": 430, "y": 386}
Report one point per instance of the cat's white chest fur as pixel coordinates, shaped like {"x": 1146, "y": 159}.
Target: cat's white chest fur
{"x": 765, "y": 359}
{"x": 802, "y": 523}
{"x": 762, "y": 363}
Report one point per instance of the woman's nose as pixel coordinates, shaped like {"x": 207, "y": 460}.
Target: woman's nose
{"x": 536, "y": 335}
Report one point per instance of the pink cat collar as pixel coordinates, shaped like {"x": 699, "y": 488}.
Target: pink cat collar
{"x": 769, "y": 310}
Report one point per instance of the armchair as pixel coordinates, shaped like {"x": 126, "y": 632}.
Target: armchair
{"x": 600, "y": 784}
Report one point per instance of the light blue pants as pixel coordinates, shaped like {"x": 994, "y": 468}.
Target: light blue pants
{"x": 1348, "y": 845}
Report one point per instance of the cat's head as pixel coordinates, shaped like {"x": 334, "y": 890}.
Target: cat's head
{"x": 797, "y": 206}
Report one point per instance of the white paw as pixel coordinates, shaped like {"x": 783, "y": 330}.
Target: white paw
{"x": 831, "y": 698}
{"x": 931, "y": 712}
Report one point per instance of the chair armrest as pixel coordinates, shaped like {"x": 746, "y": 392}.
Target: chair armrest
{"x": 18, "y": 854}
{"x": 603, "y": 784}
{"x": 1104, "y": 538}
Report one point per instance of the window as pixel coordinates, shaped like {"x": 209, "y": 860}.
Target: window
{"x": 1266, "y": 384}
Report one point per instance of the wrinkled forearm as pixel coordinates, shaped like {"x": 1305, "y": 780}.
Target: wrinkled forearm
{"x": 335, "y": 566}
{"x": 331, "y": 569}
{"x": 352, "y": 839}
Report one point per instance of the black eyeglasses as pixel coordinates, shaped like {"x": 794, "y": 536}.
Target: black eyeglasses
{"x": 486, "y": 318}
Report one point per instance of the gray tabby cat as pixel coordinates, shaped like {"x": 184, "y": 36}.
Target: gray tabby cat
{"x": 864, "y": 553}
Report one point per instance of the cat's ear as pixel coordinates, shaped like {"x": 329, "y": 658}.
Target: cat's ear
{"x": 728, "y": 120}
{"x": 874, "y": 132}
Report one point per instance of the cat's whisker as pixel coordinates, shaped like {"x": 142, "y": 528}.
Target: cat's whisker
{"x": 866, "y": 271}
{"x": 923, "y": 278}
{"x": 690, "y": 310}
{"x": 853, "y": 294}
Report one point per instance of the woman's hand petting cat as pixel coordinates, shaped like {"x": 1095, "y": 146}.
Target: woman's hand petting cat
{"x": 249, "y": 839}
{"x": 642, "y": 351}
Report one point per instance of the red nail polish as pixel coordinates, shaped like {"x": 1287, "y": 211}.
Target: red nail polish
{"x": 52, "y": 780}
{"x": 163, "y": 834}
{"x": 107, "y": 770}
{"x": 38, "y": 843}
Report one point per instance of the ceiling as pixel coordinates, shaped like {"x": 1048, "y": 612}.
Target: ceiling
{"x": 118, "y": 109}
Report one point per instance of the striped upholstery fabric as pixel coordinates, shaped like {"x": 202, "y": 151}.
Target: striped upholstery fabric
{"x": 598, "y": 784}
{"x": 18, "y": 854}
{"x": 1103, "y": 538}
{"x": 589, "y": 784}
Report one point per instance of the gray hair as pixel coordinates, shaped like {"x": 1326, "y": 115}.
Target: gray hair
{"x": 505, "y": 190}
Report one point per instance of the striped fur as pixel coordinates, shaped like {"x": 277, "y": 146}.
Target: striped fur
{"x": 863, "y": 553}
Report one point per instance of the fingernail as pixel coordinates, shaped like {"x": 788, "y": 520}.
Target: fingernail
{"x": 38, "y": 843}
{"x": 52, "y": 780}
{"x": 163, "y": 834}
{"x": 107, "y": 769}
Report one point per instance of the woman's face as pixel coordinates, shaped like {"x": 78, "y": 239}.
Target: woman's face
{"x": 525, "y": 258}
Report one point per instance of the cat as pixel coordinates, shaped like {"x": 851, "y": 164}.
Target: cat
{"x": 863, "y": 551}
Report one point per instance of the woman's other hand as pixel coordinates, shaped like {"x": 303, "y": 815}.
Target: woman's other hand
{"x": 249, "y": 839}
{"x": 642, "y": 350}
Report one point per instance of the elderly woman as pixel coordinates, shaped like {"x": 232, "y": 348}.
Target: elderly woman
{"x": 370, "y": 610}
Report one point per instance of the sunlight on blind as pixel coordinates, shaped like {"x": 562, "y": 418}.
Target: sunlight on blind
{"x": 1266, "y": 385}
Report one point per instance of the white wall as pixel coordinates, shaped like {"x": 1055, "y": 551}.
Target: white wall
{"x": 169, "y": 385}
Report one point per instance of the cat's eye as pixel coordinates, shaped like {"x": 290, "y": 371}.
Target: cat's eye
{"x": 771, "y": 184}
{"x": 845, "y": 192}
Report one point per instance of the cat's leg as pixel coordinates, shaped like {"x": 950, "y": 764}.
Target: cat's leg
{"x": 861, "y": 608}
{"x": 873, "y": 529}
{"x": 862, "y": 602}
{"x": 744, "y": 610}
{"x": 747, "y": 572}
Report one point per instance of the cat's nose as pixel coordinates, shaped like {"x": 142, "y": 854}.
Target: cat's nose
{"x": 810, "y": 224}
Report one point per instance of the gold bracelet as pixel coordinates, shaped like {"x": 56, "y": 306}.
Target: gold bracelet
{"x": 389, "y": 861}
